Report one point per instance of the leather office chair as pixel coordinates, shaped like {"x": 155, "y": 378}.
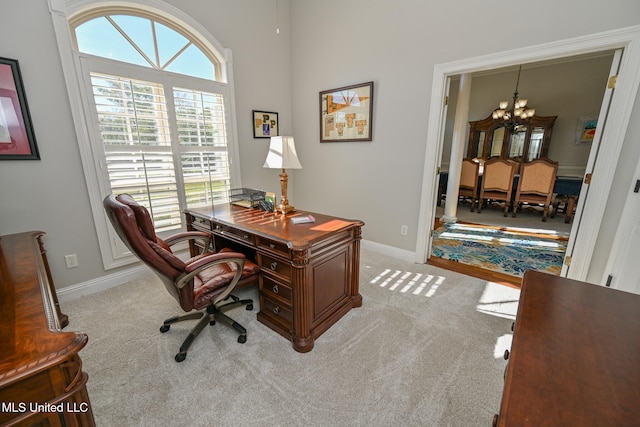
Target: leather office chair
{"x": 497, "y": 182}
{"x": 535, "y": 186}
{"x": 469, "y": 181}
{"x": 201, "y": 283}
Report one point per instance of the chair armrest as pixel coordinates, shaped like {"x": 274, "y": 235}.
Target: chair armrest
{"x": 190, "y": 235}
{"x": 213, "y": 259}
{"x": 195, "y": 267}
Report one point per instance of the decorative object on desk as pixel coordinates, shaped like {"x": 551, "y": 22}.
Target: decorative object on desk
{"x": 282, "y": 155}
{"x": 265, "y": 124}
{"x": 586, "y": 129}
{"x": 519, "y": 114}
{"x": 246, "y": 197}
{"x": 17, "y": 139}
{"x": 270, "y": 201}
{"x": 346, "y": 114}
{"x": 306, "y": 219}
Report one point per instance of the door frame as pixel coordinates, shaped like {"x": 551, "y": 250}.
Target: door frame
{"x": 614, "y": 132}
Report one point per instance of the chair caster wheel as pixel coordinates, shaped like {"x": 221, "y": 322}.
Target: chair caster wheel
{"x": 164, "y": 328}
{"x": 181, "y": 356}
{"x": 249, "y": 307}
{"x": 241, "y": 339}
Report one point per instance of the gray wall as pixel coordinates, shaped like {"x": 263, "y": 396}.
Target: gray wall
{"x": 322, "y": 45}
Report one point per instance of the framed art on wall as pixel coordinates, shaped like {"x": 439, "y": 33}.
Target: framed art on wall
{"x": 17, "y": 140}
{"x": 586, "y": 129}
{"x": 265, "y": 124}
{"x": 346, "y": 113}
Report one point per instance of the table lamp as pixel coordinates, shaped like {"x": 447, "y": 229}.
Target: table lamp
{"x": 282, "y": 155}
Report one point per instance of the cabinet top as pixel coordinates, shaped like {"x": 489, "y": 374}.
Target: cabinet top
{"x": 28, "y": 339}
{"x": 575, "y": 355}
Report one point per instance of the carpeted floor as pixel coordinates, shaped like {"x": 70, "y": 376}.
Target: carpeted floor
{"x": 425, "y": 349}
{"x": 503, "y": 249}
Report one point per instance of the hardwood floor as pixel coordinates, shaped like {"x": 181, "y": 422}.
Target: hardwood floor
{"x": 480, "y": 273}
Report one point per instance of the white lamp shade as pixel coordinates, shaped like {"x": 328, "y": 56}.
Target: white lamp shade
{"x": 282, "y": 154}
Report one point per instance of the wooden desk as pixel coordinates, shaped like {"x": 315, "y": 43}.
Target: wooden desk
{"x": 309, "y": 273}
{"x": 41, "y": 378}
{"x": 575, "y": 356}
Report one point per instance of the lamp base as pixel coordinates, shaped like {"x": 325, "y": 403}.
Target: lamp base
{"x": 284, "y": 209}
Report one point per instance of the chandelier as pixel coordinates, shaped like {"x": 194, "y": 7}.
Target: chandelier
{"x": 518, "y": 114}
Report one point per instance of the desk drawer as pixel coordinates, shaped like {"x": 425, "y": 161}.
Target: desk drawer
{"x": 200, "y": 224}
{"x": 277, "y": 311}
{"x": 235, "y": 234}
{"x": 275, "y": 265}
{"x": 274, "y": 246}
{"x": 275, "y": 290}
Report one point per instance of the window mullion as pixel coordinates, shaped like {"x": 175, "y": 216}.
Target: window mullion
{"x": 175, "y": 140}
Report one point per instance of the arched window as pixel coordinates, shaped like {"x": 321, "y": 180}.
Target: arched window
{"x": 147, "y": 40}
{"x": 152, "y": 109}
{"x": 158, "y": 110}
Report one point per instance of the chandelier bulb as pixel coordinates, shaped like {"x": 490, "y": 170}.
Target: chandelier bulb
{"x": 503, "y": 105}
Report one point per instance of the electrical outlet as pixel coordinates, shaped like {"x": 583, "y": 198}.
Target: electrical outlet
{"x": 404, "y": 230}
{"x": 71, "y": 260}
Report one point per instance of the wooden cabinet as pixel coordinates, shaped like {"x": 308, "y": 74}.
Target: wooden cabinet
{"x": 575, "y": 358}
{"x": 490, "y": 138}
{"x": 309, "y": 273}
{"x": 41, "y": 377}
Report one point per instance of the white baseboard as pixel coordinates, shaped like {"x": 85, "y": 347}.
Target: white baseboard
{"x": 401, "y": 254}
{"x": 69, "y": 293}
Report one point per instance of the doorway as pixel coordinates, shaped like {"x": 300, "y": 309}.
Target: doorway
{"x": 617, "y": 122}
{"x": 558, "y": 89}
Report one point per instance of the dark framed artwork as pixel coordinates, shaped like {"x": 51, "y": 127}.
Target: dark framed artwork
{"x": 265, "y": 124}
{"x": 346, "y": 113}
{"x": 17, "y": 140}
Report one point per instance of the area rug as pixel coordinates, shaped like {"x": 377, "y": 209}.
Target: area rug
{"x": 506, "y": 250}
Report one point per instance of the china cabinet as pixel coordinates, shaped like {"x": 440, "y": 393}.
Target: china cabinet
{"x": 489, "y": 138}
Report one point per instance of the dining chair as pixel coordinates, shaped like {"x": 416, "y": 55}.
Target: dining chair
{"x": 497, "y": 182}
{"x": 535, "y": 186}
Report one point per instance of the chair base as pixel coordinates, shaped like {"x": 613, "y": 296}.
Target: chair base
{"x": 209, "y": 315}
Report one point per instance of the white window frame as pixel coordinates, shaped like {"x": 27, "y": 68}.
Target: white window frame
{"x": 114, "y": 253}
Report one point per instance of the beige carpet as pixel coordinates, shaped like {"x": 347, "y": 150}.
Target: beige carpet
{"x": 425, "y": 349}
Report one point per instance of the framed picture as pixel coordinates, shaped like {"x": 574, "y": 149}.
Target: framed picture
{"x": 346, "y": 113}
{"x": 17, "y": 140}
{"x": 265, "y": 124}
{"x": 586, "y": 129}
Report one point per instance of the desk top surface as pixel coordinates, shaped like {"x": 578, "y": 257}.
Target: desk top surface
{"x": 575, "y": 358}
{"x": 27, "y": 341}
{"x": 277, "y": 226}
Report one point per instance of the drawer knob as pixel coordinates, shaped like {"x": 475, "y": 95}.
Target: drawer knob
{"x": 513, "y": 326}
{"x": 273, "y": 266}
{"x": 276, "y": 310}
{"x": 276, "y": 289}
{"x": 506, "y": 355}
{"x": 272, "y": 246}
{"x": 246, "y": 237}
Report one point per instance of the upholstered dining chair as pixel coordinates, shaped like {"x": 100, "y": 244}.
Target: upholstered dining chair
{"x": 535, "y": 185}
{"x": 203, "y": 283}
{"x": 497, "y": 182}
{"x": 469, "y": 181}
